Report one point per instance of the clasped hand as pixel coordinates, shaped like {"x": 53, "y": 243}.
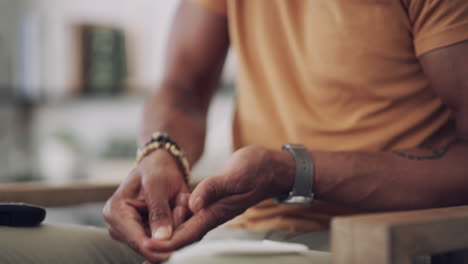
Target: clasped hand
{"x": 154, "y": 213}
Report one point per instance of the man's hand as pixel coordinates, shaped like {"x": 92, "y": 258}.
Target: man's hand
{"x": 149, "y": 204}
{"x": 250, "y": 176}
{"x": 154, "y": 197}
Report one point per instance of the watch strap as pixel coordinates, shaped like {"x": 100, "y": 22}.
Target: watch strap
{"x": 303, "y": 179}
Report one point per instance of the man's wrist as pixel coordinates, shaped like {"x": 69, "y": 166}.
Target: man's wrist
{"x": 162, "y": 159}
{"x": 161, "y": 140}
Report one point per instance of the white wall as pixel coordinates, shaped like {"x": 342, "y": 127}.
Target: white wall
{"x": 94, "y": 123}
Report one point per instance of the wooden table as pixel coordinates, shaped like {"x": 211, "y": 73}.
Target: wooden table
{"x": 49, "y": 195}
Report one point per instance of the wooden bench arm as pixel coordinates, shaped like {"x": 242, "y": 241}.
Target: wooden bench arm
{"x": 398, "y": 237}
{"x": 56, "y": 195}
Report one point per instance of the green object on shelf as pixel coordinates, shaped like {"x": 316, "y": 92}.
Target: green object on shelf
{"x": 104, "y": 61}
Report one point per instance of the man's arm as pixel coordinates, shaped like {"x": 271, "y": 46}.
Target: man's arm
{"x": 152, "y": 201}
{"x": 415, "y": 178}
{"x": 196, "y": 51}
{"x": 376, "y": 181}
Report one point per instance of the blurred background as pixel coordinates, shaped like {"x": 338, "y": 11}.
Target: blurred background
{"x": 73, "y": 78}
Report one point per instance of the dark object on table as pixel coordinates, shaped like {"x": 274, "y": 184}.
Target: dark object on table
{"x": 21, "y": 215}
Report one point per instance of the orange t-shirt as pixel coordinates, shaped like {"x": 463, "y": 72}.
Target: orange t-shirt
{"x": 335, "y": 75}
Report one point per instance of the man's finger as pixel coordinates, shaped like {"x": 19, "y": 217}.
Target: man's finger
{"x": 181, "y": 210}
{"x": 201, "y": 223}
{"x": 159, "y": 211}
{"x": 130, "y": 230}
{"x": 198, "y": 225}
{"x": 180, "y": 214}
{"x": 190, "y": 231}
{"x": 207, "y": 192}
{"x": 182, "y": 199}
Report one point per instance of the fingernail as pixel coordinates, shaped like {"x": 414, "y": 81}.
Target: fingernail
{"x": 198, "y": 204}
{"x": 162, "y": 233}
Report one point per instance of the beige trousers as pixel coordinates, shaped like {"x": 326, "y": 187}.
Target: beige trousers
{"x": 77, "y": 244}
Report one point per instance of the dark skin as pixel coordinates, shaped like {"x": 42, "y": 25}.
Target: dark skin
{"x": 155, "y": 195}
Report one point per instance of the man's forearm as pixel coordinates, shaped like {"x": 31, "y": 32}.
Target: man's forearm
{"x": 412, "y": 179}
{"x": 179, "y": 110}
{"x": 195, "y": 54}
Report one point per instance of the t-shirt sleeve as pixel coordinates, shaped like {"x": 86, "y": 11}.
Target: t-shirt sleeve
{"x": 438, "y": 23}
{"x": 218, "y": 6}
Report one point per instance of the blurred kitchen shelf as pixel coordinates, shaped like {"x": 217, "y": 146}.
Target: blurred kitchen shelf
{"x": 91, "y": 100}
{"x": 95, "y": 123}
{"x": 226, "y": 89}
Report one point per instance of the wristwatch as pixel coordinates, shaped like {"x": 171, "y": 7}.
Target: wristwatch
{"x": 301, "y": 192}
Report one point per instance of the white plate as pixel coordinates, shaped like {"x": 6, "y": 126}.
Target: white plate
{"x": 238, "y": 247}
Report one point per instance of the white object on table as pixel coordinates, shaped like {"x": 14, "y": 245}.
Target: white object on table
{"x": 237, "y": 247}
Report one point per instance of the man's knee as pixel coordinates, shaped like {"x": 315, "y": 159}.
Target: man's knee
{"x": 62, "y": 244}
